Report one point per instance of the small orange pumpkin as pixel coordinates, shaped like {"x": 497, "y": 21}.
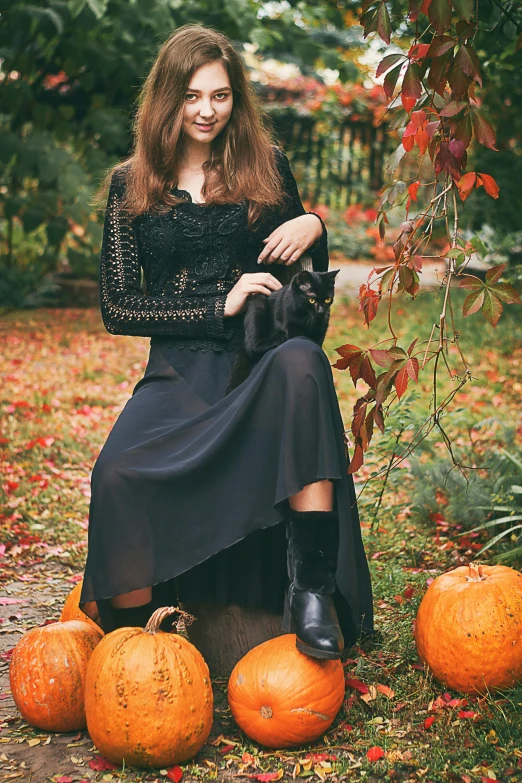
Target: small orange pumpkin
{"x": 47, "y": 674}
{"x": 148, "y": 695}
{"x": 71, "y": 608}
{"x": 469, "y": 628}
{"x": 282, "y": 698}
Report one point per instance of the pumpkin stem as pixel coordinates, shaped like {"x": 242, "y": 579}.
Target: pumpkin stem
{"x": 159, "y": 615}
{"x": 475, "y": 573}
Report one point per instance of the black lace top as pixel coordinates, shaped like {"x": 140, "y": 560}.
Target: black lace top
{"x": 191, "y": 257}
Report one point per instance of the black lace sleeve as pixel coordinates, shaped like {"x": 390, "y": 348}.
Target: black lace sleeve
{"x": 125, "y": 308}
{"x": 319, "y": 250}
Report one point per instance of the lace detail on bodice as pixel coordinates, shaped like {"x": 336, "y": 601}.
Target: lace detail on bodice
{"x": 191, "y": 257}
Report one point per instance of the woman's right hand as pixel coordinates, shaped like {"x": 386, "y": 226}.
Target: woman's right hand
{"x": 254, "y": 283}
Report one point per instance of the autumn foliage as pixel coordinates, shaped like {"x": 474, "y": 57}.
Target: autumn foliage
{"x": 441, "y": 116}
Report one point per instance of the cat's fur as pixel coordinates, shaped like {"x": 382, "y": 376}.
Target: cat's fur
{"x": 299, "y": 309}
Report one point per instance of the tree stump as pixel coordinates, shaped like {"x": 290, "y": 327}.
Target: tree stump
{"x": 224, "y": 634}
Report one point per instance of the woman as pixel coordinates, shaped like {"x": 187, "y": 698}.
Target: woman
{"x": 192, "y": 486}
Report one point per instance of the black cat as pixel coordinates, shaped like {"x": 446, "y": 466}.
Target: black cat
{"x": 299, "y": 309}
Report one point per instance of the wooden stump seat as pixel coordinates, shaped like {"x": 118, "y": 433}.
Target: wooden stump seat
{"x": 224, "y": 634}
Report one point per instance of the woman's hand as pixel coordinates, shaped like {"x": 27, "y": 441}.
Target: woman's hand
{"x": 290, "y": 240}
{"x": 254, "y": 283}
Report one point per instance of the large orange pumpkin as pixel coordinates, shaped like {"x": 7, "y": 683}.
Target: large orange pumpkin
{"x": 148, "y": 696}
{"x": 282, "y": 698}
{"x": 469, "y": 628}
{"x": 47, "y": 674}
{"x": 71, "y": 609}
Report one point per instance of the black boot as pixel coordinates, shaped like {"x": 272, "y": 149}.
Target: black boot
{"x": 133, "y": 616}
{"x": 313, "y": 542}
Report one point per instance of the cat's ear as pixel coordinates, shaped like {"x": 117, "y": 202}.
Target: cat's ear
{"x": 303, "y": 278}
{"x": 331, "y": 275}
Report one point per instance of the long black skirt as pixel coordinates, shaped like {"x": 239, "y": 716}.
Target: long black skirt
{"x": 189, "y": 493}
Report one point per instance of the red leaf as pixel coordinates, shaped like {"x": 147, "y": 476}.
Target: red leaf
{"x": 381, "y": 356}
{"x": 408, "y": 592}
{"x": 439, "y": 14}
{"x": 369, "y": 302}
{"x": 438, "y": 73}
{"x": 432, "y": 127}
{"x": 100, "y": 763}
{"x": 357, "y": 685}
{"x": 357, "y": 459}
{"x": 490, "y": 186}
{"x": 408, "y": 142}
{"x": 484, "y": 131}
{"x": 226, "y": 748}
{"x": 429, "y": 721}
{"x": 265, "y": 777}
{"x": 452, "y": 108}
{"x": 175, "y": 774}
{"x": 492, "y": 309}
{"x": 411, "y": 84}
{"x": 468, "y": 714}
{"x": 441, "y": 45}
{"x": 418, "y": 118}
{"x": 467, "y": 60}
{"x": 418, "y": 51}
{"x": 422, "y": 139}
{"x": 383, "y": 23}
{"x": 466, "y": 184}
{"x": 473, "y": 302}
{"x": 375, "y": 753}
{"x": 387, "y": 62}
{"x": 412, "y": 190}
{"x": 458, "y": 150}
{"x": 401, "y": 382}
{"x": 390, "y": 81}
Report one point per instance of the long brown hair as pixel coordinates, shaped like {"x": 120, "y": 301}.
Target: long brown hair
{"x": 242, "y": 164}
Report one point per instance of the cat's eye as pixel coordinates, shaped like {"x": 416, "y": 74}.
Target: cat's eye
{"x": 328, "y": 300}
{"x": 312, "y": 299}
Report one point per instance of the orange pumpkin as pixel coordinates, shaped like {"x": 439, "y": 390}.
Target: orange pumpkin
{"x": 71, "y": 609}
{"x": 282, "y": 698}
{"x": 47, "y": 674}
{"x": 469, "y": 628}
{"x": 148, "y": 696}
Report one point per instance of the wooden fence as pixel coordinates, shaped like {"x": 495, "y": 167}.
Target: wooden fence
{"x": 337, "y": 168}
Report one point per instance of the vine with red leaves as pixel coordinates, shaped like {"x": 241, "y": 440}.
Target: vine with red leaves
{"x": 442, "y": 115}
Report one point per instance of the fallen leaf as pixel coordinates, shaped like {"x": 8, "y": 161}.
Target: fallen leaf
{"x": 386, "y": 690}
{"x": 101, "y": 763}
{"x": 357, "y": 685}
{"x": 375, "y": 753}
{"x": 175, "y": 774}
{"x": 265, "y": 777}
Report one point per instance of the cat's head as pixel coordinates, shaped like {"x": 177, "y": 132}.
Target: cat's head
{"x": 315, "y": 289}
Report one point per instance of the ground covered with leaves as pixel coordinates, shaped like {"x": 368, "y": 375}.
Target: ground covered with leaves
{"x": 65, "y": 379}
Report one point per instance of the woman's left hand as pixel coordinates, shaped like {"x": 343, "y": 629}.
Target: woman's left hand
{"x": 290, "y": 240}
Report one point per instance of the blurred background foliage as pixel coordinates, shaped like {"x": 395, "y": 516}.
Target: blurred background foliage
{"x": 71, "y": 71}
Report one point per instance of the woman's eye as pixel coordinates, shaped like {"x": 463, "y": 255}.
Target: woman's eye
{"x": 193, "y": 94}
{"x": 312, "y": 300}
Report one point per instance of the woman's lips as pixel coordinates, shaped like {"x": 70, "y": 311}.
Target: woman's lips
{"x": 205, "y": 127}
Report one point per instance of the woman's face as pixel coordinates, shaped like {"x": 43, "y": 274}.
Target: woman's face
{"x": 208, "y": 103}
